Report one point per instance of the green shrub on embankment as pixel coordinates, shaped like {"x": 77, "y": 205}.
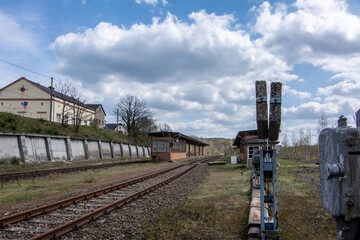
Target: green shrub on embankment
{"x": 11, "y": 123}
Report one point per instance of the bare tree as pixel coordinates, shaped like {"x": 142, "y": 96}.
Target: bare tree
{"x": 66, "y": 89}
{"x": 135, "y": 115}
{"x": 73, "y": 105}
{"x": 164, "y": 127}
{"x": 323, "y": 123}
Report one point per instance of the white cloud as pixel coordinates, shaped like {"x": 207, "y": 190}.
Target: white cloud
{"x": 20, "y": 38}
{"x": 315, "y": 30}
{"x": 152, "y": 2}
{"x": 294, "y": 93}
{"x": 202, "y": 67}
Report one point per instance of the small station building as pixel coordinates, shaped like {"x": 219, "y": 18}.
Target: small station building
{"x": 174, "y": 145}
{"x": 248, "y": 141}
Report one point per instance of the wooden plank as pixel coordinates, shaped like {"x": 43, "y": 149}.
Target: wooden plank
{"x": 261, "y": 109}
{"x": 275, "y": 111}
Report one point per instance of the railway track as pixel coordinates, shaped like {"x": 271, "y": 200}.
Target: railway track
{"x": 56, "y": 219}
{"x": 41, "y": 173}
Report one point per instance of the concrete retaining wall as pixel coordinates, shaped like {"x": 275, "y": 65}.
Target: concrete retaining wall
{"x": 125, "y": 150}
{"x": 133, "y": 151}
{"x": 41, "y": 148}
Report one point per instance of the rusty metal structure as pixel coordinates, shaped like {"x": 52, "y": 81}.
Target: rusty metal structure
{"x": 340, "y": 176}
{"x": 263, "y": 218}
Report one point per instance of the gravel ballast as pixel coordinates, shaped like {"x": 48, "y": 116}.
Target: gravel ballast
{"x": 126, "y": 222}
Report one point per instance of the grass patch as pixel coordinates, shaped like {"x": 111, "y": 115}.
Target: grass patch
{"x": 301, "y": 215}
{"x": 18, "y": 124}
{"x": 19, "y": 193}
{"x": 218, "y": 209}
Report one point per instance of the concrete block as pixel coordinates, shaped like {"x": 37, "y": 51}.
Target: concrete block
{"x": 133, "y": 151}
{"x": 93, "y": 148}
{"x": 35, "y": 149}
{"x": 9, "y": 147}
{"x": 116, "y": 150}
{"x": 125, "y": 150}
{"x": 77, "y": 149}
{"x": 106, "y": 150}
{"x": 58, "y": 149}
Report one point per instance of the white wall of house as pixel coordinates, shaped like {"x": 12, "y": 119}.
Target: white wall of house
{"x": 121, "y": 130}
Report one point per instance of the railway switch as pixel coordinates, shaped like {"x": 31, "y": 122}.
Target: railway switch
{"x": 340, "y": 177}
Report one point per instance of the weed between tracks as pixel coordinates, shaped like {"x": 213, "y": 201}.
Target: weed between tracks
{"x": 218, "y": 209}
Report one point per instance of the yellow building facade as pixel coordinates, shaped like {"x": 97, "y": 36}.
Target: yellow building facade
{"x": 29, "y": 99}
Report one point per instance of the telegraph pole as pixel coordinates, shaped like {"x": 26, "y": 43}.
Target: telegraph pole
{"x": 117, "y": 120}
{"x": 51, "y": 97}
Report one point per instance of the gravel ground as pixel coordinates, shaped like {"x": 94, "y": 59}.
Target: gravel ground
{"x": 126, "y": 222}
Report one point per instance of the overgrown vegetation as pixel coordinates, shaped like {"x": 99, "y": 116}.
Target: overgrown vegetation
{"x": 33, "y": 191}
{"x": 218, "y": 145}
{"x": 218, "y": 209}
{"x": 300, "y": 147}
{"x": 12, "y": 123}
{"x": 301, "y": 215}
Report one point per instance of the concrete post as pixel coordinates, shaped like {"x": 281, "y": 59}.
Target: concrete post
{"x": 48, "y": 148}
{"x": 86, "y": 149}
{"x": 68, "y": 149}
{"x": 121, "y": 150}
{"x": 112, "y": 149}
{"x": 100, "y": 150}
{"x": 22, "y": 148}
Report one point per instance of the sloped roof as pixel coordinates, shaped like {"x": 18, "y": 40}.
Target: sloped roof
{"x": 95, "y": 106}
{"x": 245, "y": 134}
{"x": 57, "y": 94}
{"x": 188, "y": 139}
{"x": 249, "y": 137}
{"x": 112, "y": 126}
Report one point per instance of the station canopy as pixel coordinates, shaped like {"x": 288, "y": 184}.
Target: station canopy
{"x": 242, "y": 135}
{"x": 180, "y": 136}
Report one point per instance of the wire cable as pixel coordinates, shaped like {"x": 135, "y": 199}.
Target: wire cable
{"x": 15, "y": 65}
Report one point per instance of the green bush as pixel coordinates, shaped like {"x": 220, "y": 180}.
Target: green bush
{"x": 15, "y": 161}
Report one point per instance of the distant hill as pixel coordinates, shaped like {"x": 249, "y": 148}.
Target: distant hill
{"x": 218, "y": 145}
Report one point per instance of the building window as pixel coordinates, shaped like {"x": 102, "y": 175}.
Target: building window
{"x": 251, "y": 151}
{"x": 2, "y": 104}
{"x": 58, "y": 117}
{"x": 66, "y": 119}
{"x": 178, "y": 147}
{"x": 160, "y": 146}
{"x": 42, "y": 104}
{"x": 85, "y": 122}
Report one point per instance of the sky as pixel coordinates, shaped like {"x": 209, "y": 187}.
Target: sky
{"x": 195, "y": 62}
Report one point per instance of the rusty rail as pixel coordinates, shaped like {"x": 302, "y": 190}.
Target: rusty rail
{"x": 49, "y": 207}
{"x": 74, "y": 224}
